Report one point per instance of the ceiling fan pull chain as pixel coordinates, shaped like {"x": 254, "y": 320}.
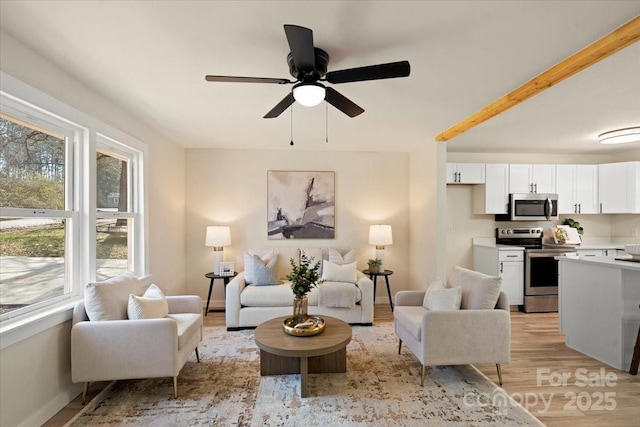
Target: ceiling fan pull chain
{"x": 291, "y": 143}
{"x": 326, "y": 117}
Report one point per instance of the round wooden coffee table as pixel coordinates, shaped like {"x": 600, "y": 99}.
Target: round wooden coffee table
{"x": 282, "y": 354}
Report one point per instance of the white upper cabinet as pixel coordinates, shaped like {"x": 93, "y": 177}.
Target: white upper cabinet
{"x": 532, "y": 178}
{"x": 493, "y": 197}
{"x": 619, "y": 187}
{"x": 465, "y": 173}
{"x": 577, "y": 188}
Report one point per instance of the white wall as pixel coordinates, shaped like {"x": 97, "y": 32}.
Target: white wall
{"x": 35, "y": 373}
{"x": 229, "y": 187}
{"x": 428, "y": 213}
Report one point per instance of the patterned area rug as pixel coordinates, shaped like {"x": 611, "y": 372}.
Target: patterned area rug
{"x": 379, "y": 388}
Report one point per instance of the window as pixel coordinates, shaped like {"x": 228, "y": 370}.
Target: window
{"x": 37, "y": 210}
{"x": 115, "y": 208}
{"x": 71, "y": 206}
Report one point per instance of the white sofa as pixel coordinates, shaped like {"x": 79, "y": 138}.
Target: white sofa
{"x": 247, "y": 306}
{"x": 119, "y": 348}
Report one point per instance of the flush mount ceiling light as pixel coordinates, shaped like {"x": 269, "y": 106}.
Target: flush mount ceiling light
{"x": 309, "y": 94}
{"x": 620, "y": 136}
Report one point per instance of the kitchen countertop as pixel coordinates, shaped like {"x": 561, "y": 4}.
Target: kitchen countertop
{"x": 603, "y": 261}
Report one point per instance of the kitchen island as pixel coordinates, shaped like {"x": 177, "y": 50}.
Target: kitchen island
{"x": 598, "y": 307}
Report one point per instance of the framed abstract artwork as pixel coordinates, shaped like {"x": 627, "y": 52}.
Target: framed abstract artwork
{"x": 300, "y": 205}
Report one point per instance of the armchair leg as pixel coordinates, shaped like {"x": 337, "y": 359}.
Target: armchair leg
{"x": 197, "y": 355}
{"x": 175, "y": 386}
{"x": 424, "y": 369}
{"x": 85, "y": 388}
{"x": 399, "y": 346}
{"x": 499, "y": 373}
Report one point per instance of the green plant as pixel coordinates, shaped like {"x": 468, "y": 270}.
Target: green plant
{"x": 574, "y": 224}
{"x": 303, "y": 277}
{"x": 374, "y": 262}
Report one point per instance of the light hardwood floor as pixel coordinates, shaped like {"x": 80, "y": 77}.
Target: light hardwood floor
{"x": 538, "y": 355}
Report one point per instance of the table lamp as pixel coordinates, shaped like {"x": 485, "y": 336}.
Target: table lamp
{"x": 218, "y": 236}
{"x": 380, "y": 235}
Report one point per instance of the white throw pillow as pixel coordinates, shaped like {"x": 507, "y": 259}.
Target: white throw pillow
{"x": 107, "y": 300}
{"x": 444, "y": 299}
{"x": 152, "y": 305}
{"x": 265, "y": 273}
{"x": 479, "y": 291}
{"x": 339, "y": 273}
{"x": 337, "y": 258}
{"x": 248, "y": 264}
{"x": 436, "y": 284}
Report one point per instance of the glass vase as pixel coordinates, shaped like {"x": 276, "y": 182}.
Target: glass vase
{"x": 300, "y": 308}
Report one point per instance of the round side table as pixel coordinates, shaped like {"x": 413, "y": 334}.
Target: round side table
{"x": 213, "y": 277}
{"x": 374, "y": 279}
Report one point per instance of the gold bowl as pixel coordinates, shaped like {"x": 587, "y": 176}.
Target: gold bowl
{"x": 315, "y": 326}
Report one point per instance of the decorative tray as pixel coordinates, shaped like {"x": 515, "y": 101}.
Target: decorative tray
{"x": 312, "y": 326}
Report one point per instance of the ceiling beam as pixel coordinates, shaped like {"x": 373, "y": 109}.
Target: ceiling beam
{"x": 618, "y": 39}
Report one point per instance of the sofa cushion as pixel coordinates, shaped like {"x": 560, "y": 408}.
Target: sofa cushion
{"x": 339, "y": 273}
{"x": 479, "y": 291}
{"x": 438, "y": 297}
{"x": 151, "y": 305}
{"x": 107, "y": 300}
{"x": 265, "y": 273}
{"x": 188, "y": 325}
{"x": 337, "y": 258}
{"x": 267, "y": 296}
{"x": 248, "y": 263}
{"x": 444, "y": 299}
{"x": 410, "y": 316}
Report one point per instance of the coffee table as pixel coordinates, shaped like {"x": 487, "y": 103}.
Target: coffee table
{"x": 282, "y": 354}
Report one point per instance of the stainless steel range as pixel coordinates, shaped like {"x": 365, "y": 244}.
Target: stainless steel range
{"x": 540, "y": 267}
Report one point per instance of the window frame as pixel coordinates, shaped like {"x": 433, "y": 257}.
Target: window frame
{"x": 89, "y": 134}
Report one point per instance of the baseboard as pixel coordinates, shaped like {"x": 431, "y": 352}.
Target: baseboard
{"x": 53, "y": 407}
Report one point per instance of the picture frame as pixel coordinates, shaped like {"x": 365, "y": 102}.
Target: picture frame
{"x": 226, "y": 269}
{"x": 300, "y": 205}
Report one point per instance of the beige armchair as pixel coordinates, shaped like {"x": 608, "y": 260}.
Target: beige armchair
{"x": 113, "y": 347}
{"x": 455, "y": 337}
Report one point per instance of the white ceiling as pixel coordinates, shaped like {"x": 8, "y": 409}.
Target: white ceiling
{"x": 150, "y": 58}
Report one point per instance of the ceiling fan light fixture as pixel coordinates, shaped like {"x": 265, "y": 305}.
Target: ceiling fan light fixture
{"x": 309, "y": 94}
{"x": 620, "y": 136}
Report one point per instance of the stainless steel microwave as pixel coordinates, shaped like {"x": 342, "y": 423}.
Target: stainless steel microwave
{"x": 533, "y": 207}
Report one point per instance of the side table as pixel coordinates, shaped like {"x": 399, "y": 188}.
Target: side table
{"x": 213, "y": 277}
{"x": 374, "y": 279}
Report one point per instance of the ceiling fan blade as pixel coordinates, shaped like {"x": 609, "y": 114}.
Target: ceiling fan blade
{"x": 282, "y": 105}
{"x": 233, "y": 79}
{"x": 342, "y": 103}
{"x": 371, "y": 72}
{"x": 301, "y": 44}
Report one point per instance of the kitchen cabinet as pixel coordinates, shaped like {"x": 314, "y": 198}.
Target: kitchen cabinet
{"x": 532, "y": 178}
{"x": 493, "y": 196}
{"x": 577, "y": 188}
{"x": 619, "y": 187}
{"x": 465, "y": 173}
{"x": 505, "y": 263}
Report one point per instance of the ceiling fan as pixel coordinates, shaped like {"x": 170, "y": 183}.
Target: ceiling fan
{"x": 308, "y": 65}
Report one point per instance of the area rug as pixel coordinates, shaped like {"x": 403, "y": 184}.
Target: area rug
{"x": 379, "y": 388}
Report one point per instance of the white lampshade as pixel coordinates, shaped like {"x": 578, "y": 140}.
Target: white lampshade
{"x": 218, "y": 236}
{"x": 620, "y": 136}
{"x": 309, "y": 94}
{"x": 380, "y": 235}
